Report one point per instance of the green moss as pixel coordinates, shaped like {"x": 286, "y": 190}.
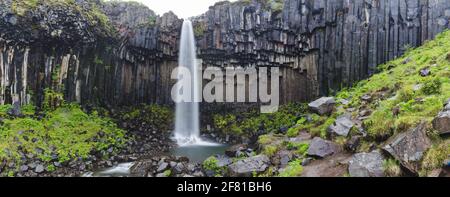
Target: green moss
{"x": 294, "y": 169}
{"x": 66, "y": 131}
{"x": 212, "y": 164}
{"x": 160, "y": 117}
{"x": 167, "y": 173}
{"x": 300, "y": 148}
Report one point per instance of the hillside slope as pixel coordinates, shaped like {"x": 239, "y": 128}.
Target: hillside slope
{"x": 393, "y": 124}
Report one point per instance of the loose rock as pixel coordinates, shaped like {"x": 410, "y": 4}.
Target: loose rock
{"x": 323, "y": 106}
{"x": 322, "y": 148}
{"x": 366, "y": 165}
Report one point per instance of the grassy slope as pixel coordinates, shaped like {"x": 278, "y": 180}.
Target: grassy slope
{"x": 400, "y": 99}
{"x": 64, "y": 134}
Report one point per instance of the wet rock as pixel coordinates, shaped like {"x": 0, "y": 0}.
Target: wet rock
{"x": 366, "y": 165}
{"x": 179, "y": 168}
{"x": 341, "y": 127}
{"x": 323, "y": 106}
{"x": 322, "y": 148}
{"x": 409, "y": 147}
{"x": 248, "y": 166}
{"x": 141, "y": 168}
{"x": 442, "y": 122}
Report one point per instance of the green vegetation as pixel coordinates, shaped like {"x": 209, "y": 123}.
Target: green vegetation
{"x": 167, "y": 173}
{"x": 199, "y": 29}
{"x": 252, "y": 122}
{"x": 294, "y": 169}
{"x": 94, "y": 15}
{"x": 300, "y": 148}
{"x": 392, "y": 168}
{"x": 435, "y": 157}
{"x": 212, "y": 164}
{"x": 159, "y": 116}
{"x": 64, "y": 134}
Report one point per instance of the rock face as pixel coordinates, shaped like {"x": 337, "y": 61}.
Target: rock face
{"x": 322, "y": 148}
{"x": 322, "y": 106}
{"x": 318, "y": 45}
{"x": 409, "y": 147}
{"x": 341, "y": 127}
{"x": 246, "y": 167}
{"x": 366, "y": 165}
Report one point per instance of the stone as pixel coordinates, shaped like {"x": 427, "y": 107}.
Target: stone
{"x": 233, "y": 150}
{"x": 160, "y": 175}
{"x": 322, "y": 148}
{"x": 425, "y": 72}
{"x": 409, "y": 147}
{"x": 307, "y": 161}
{"x": 39, "y": 168}
{"x": 442, "y": 122}
{"x": 15, "y": 110}
{"x": 179, "y": 168}
{"x": 223, "y": 160}
{"x": 341, "y": 127}
{"x": 366, "y": 165}
{"x": 353, "y": 144}
{"x": 248, "y": 166}
{"x": 366, "y": 97}
{"x": 24, "y": 168}
{"x": 323, "y": 106}
{"x": 162, "y": 167}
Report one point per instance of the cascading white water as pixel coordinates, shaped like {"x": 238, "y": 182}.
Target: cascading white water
{"x": 187, "y": 129}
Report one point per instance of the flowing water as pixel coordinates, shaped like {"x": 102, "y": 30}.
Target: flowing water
{"x": 187, "y": 119}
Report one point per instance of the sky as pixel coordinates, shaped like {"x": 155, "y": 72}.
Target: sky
{"x": 182, "y": 8}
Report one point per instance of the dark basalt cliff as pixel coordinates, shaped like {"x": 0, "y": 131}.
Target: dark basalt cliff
{"x": 119, "y": 53}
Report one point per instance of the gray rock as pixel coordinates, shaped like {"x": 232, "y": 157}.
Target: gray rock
{"x": 15, "y": 110}
{"x": 366, "y": 165}
{"x": 161, "y": 175}
{"x": 163, "y": 166}
{"x": 322, "y": 148}
{"x": 24, "y": 168}
{"x": 353, "y": 144}
{"x": 234, "y": 150}
{"x": 341, "y": 127}
{"x": 39, "y": 168}
{"x": 425, "y": 72}
{"x": 307, "y": 161}
{"x": 248, "y": 166}
{"x": 442, "y": 122}
{"x": 223, "y": 160}
{"x": 323, "y": 106}
{"x": 409, "y": 147}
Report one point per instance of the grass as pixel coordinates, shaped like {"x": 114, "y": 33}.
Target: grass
{"x": 211, "y": 164}
{"x": 392, "y": 168}
{"x": 294, "y": 169}
{"x": 435, "y": 157}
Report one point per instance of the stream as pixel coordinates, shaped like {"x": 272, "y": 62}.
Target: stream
{"x": 196, "y": 154}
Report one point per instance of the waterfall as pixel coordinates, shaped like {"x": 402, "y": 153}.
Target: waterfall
{"x": 187, "y": 119}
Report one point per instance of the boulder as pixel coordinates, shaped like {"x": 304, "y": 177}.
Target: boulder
{"x": 323, "y": 106}
{"x": 409, "y": 147}
{"x": 248, "y": 166}
{"x": 223, "y": 160}
{"x": 322, "y": 148}
{"x": 15, "y": 110}
{"x": 442, "y": 122}
{"x": 162, "y": 167}
{"x": 366, "y": 165}
{"x": 39, "y": 168}
{"x": 341, "y": 127}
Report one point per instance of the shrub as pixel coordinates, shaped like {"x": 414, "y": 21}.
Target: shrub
{"x": 211, "y": 164}
{"x": 432, "y": 86}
